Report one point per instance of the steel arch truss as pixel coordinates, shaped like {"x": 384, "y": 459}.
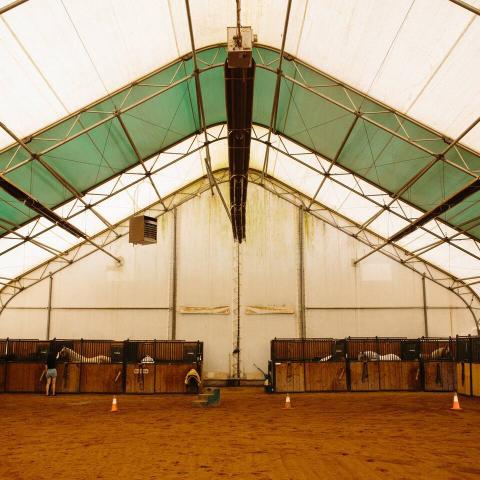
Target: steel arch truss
{"x": 108, "y": 236}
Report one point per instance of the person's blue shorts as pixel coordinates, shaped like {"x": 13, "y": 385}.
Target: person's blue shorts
{"x": 52, "y": 373}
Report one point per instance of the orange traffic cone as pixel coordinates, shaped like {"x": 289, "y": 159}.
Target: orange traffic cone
{"x": 288, "y": 403}
{"x": 114, "y": 405}
{"x": 456, "y": 403}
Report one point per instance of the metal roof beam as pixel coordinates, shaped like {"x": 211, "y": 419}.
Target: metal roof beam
{"x": 276, "y": 95}
{"x": 467, "y": 6}
{"x": 453, "y": 200}
{"x": 203, "y": 124}
{"x": 140, "y": 159}
{"x": 11, "y": 6}
{"x": 55, "y": 174}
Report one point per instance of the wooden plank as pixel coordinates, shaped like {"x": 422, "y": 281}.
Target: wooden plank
{"x": 100, "y": 378}
{"x": 364, "y": 376}
{"x": 439, "y": 376}
{"x": 476, "y": 379}
{"x": 391, "y": 375}
{"x": 411, "y": 375}
{"x": 25, "y": 377}
{"x": 325, "y": 376}
{"x": 463, "y": 378}
{"x": 140, "y": 379}
{"x": 289, "y": 377}
{"x": 400, "y": 375}
{"x": 68, "y": 377}
{"x": 3, "y": 369}
{"x": 170, "y": 377}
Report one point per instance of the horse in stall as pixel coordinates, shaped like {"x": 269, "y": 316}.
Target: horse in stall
{"x": 438, "y": 353}
{"x": 71, "y": 356}
{"x": 370, "y": 355}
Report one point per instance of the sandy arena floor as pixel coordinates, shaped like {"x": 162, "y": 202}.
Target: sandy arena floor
{"x": 325, "y": 436}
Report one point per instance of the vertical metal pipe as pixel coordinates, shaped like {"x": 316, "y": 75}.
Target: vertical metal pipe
{"x": 173, "y": 287}
{"x": 49, "y": 307}
{"x": 301, "y": 274}
{"x": 425, "y": 313}
{"x": 238, "y": 312}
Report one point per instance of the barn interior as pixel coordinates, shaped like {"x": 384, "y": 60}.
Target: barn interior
{"x": 281, "y": 195}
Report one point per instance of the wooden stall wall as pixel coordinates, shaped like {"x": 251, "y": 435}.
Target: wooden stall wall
{"x": 476, "y": 379}
{"x": 3, "y": 369}
{"x": 289, "y": 376}
{"x": 100, "y": 366}
{"x": 326, "y": 376}
{"x": 463, "y": 376}
{"x": 439, "y": 367}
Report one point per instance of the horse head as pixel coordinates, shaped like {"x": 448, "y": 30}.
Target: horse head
{"x": 63, "y": 353}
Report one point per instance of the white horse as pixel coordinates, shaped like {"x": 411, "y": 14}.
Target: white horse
{"x": 389, "y": 356}
{"x": 441, "y": 352}
{"x": 72, "y": 356}
{"x": 367, "y": 355}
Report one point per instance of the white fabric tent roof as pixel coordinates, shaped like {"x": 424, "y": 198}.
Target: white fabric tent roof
{"x": 421, "y": 57}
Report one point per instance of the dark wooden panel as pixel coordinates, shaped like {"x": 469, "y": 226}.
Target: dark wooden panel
{"x": 25, "y": 377}
{"x": 463, "y": 378}
{"x": 364, "y": 376}
{"x": 412, "y": 376}
{"x": 289, "y": 377}
{"x": 439, "y": 376}
{"x": 170, "y": 377}
{"x": 3, "y": 369}
{"x": 325, "y": 376}
{"x": 391, "y": 375}
{"x": 68, "y": 377}
{"x": 476, "y": 379}
{"x": 400, "y": 375}
{"x": 100, "y": 378}
{"x": 140, "y": 379}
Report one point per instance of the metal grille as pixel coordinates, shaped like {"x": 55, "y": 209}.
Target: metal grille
{"x": 376, "y": 348}
{"x": 3, "y": 350}
{"x": 437, "y": 349}
{"x": 87, "y": 351}
{"x": 317, "y": 349}
{"x": 27, "y": 350}
{"x": 463, "y": 351}
{"x": 162, "y": 351}
{"x": 476, "y": 349}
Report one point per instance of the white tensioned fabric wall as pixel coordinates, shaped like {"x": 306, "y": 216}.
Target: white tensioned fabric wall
{"x": 96, "y": 299}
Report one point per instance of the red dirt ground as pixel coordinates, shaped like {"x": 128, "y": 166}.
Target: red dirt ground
{"x": 325, "y": 436}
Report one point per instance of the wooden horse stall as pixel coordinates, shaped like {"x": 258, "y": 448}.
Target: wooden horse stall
{"x": 399, "y": 364}
{"x": 475, "y": 370}
{"x": 25, "y": 363}
{"x": 140, "y": 366}
{"x": 288, "y": 366}
{"x": 3, "y": 364}
{"x": 325, "y": 365}
{"x": 68, "y": 367}
{"x": 463, "y": 365}
{"x": 173, "y": 360}
{"x": 437, "y": 355}
{"x": 364, "y": 369}
{"x": 100, "y": 365}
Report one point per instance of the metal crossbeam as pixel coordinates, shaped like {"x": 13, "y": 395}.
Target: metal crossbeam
{"x": 138, "y": 180}
{"x": 203, "y": 124}
{"x": 467, "y": 6}
{"x": 276, "y": 95}
{"x": 140, "y": 159}
{"x": 323, "y": 213}
{"x": 59, "y": 178}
